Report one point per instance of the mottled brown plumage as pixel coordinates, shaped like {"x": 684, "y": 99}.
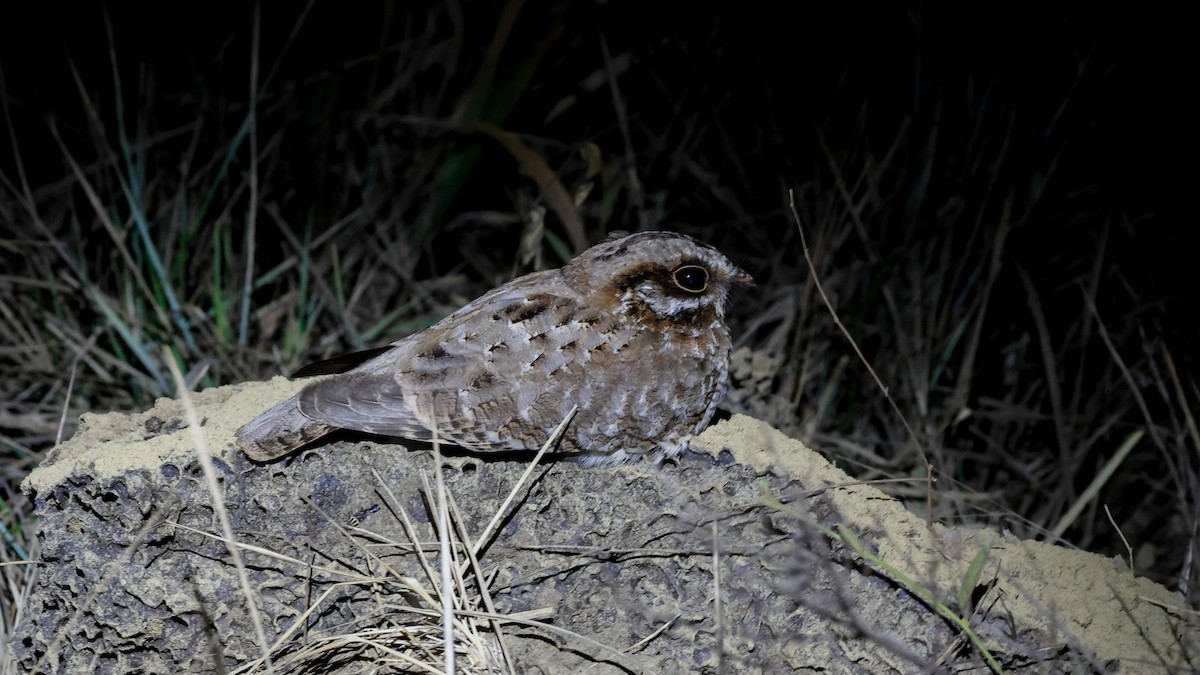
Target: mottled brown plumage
{"x": 632, "y": 331}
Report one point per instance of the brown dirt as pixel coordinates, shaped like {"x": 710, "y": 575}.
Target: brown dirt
{"x": 621, "y": 556}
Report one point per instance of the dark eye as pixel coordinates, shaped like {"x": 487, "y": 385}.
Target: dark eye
{"x": 691, "y": 278}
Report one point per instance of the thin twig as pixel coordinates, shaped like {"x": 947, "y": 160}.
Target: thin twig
{"x": 1128, "y": 548}
{"x": 812, "y": 270}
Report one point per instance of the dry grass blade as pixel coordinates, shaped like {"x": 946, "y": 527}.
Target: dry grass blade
{"x": 477, "y": 570}
{"x": 446, "y": 550}
{"x": 551, "y": 187}
{"x": 399, "y": 633}
{"x": 488, "y": 531}
{"x": 637, "y": 194}
{"x": 218, "y": 500}
{"x": 17, "y": 576}
{"x": 1098, "y": 482}
{"x": 837, "y": 320}
{"x": 351, "y": 577}
{"x": 252, "y": 214}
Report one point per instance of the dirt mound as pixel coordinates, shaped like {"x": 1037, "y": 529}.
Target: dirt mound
{"x": 616, "y": 569}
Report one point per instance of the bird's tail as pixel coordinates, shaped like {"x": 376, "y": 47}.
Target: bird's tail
{"x": 278, "y": 431}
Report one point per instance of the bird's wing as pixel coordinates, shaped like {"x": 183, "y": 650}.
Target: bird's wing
{"x": 339, "y": 364}
{"x": 491, "y": 376}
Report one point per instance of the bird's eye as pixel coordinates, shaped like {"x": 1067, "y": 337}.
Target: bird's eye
{"x": 691, "y": 278}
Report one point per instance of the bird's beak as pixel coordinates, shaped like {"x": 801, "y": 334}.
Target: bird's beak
{"x": 742, "y": 280}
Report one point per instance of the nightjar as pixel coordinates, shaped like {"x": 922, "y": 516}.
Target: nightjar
{"x": 632, "y": 331}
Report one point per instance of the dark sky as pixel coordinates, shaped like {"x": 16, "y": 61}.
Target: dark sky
{"x": 1129, "y": 127}
{"x": 1138, "y": 111}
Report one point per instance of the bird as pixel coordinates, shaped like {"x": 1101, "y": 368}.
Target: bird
{"x": 631, "y": 331}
